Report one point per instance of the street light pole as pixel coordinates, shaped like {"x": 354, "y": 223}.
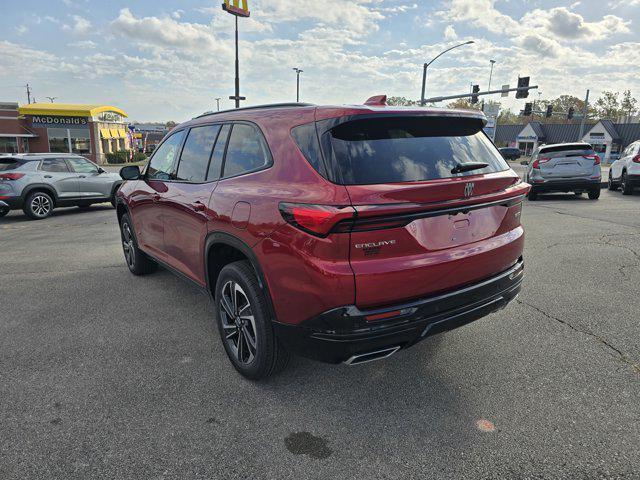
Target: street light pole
{"x": 298, "y": 72}
{"x": 426, "y": 65}
{"x": 237, "y": 11}
{"x": 491, "y": 73}
{"x": 218, "y": 102}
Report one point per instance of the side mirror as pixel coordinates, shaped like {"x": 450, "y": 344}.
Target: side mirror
{"x": 524, "y": 162}
{"x": 132, "y": 172}
{"x": 100, "y": 170}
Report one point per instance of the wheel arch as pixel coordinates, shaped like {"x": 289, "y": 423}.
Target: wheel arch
{"x": 39, "y": 187}
{"x": 233, "y": 249}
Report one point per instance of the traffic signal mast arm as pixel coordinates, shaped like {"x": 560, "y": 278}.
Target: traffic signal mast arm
{"x": 476, "y": 94}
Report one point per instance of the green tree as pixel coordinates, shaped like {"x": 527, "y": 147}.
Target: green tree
{"x": 401, "y": 101}
{"x": 608, "y": 105}
{"x": 628, "y": 105}
{"x": 507, "y": 117}
{"x": 463, "y": 103}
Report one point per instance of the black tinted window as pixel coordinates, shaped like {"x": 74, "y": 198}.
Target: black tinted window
{"x": 566, "y": 151}
{"x": 54, "y": 165}
{"x": 218, "y": 153}
{"x": 408, "y": 149}
{"x": 8, "y": 164}
{"x": 194, "y": 160}
{"x": 307, "y": 140}
{"x": 247, "y": 151}
{"x": 161, "y": 163}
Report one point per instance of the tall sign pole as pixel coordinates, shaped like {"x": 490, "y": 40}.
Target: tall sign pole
{"x": 233, "y": 7}
{"x": 585, "y": 111}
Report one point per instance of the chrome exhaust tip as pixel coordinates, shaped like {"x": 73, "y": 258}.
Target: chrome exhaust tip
{"x": 372, "y": 356}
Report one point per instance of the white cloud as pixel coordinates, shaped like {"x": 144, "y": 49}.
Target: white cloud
{"x": 21, "y": 29}
{"x": 450, "y": 33}
{"x": 560, "y": 22}
{"x": 87, "y": 44}
{"x": 81, "y": 25}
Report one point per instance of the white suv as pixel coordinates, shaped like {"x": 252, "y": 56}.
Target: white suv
{"x": 625, "y": 172}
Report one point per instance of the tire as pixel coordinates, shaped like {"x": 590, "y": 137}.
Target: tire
{"x": 38, "y": 205}
{"x": 249, "y": 340}
{"x": 624, "y": 185}
{"x": 533, "y": 195}
{"x": 113, "y": 200}
{"x": 611, "y": 184}
{"x": 3, "y": 212}
{"x": 137, "y": 261}
{"x": 594, "y": 194}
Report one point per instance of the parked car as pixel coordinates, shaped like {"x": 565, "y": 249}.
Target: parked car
{"x": 564, "y": 167}
{"x": 38, "y": 183}
{"x": 625, "y": 172}
{"x": 510, "y": 153}
{"x": 342, "y": 234}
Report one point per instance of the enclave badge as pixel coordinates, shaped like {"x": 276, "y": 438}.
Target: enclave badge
{"x": 468, "y": 189}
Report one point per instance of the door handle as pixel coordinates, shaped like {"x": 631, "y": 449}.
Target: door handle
{"x": 48, "y": 176}
{"x": 82, "y": 176}
{"x": 199, "y": 206}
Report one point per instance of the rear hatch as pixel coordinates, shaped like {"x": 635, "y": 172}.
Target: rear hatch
{"x": 422, "y": 225}
{"x": 8, "y": 165}
{"x": 567, "y": 161}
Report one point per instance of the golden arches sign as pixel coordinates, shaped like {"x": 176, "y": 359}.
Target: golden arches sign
{"x": 234, "y": 8}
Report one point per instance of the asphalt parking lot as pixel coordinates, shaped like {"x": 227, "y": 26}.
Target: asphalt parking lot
{"x": 107, "y": 375}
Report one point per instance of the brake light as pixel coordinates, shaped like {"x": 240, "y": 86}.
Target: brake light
{"x": 538, "y": 161}
{"x": 11, "y": 176}
{"x": 636, "y": 159}
{"x": 594, "y": 157}
{"x": 315, "y": 219}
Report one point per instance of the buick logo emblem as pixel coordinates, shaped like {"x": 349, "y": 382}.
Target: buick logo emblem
{"x": 468, "y": 189}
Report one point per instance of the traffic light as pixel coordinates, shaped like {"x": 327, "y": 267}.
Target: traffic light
{"x": 523, "y": 82}
{"x": 527, "y": 109}
{"x": 570, "y": 113}
{"x": 474, "y": 98}
{"x": 549, "y": 111}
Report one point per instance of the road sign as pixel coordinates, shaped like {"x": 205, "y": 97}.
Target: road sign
{"x": 233, "y": 7}
{"x": 504, "y": 93}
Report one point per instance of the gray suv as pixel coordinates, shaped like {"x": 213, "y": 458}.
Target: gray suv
{"x": 38, "y": 183}
{"x": 564, "y": 167}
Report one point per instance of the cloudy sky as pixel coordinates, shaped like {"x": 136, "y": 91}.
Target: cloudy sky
{"x": 168, "y": 60}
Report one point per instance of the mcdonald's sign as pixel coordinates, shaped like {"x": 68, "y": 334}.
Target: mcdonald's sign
{"x": 233, "y": 7}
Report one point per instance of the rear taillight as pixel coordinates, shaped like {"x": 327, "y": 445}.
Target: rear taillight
{"x": 538, "y": 161}
{"x": 317, "y": 220}
{"x": 636, "y": 159}
{"x": 594, "y": 157}
{"x": 11, "y": 176}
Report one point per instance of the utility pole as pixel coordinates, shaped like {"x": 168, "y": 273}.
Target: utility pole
{"x": 237, "y": 11}
{"x": 491, "y": 73}
{"x": 218, "y": 102}
{"x": 585, "y": 110}
{"x": 298, "y": 72}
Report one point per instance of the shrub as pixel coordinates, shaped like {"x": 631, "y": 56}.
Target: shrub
{"x": 122, "y": 156}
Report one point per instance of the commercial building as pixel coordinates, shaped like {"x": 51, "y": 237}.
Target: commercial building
{"x": 607, "y": 138}
{"x": 88, "y": 130}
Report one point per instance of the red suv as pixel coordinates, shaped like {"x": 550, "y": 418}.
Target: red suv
{"x": 340, "y": 233}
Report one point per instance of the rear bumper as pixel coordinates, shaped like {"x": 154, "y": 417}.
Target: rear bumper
{"x": 565, "y": 185}
{"x": 633, "y": 180}
{"x": 10, "y": 202}
{"x": 337, "y": 335}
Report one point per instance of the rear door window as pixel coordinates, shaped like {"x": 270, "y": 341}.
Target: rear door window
{"x": 215, "y": 166}
{"x": 408, "y": 149}
{"x": 194, "y": 160}
{"x": 54, "y": 165}
{"x": 246, "y": 152}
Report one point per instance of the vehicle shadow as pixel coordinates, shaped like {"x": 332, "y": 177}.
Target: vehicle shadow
{"x": 17, "y": 217}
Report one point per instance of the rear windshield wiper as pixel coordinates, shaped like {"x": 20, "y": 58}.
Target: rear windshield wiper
{"x": 467, "y": 167}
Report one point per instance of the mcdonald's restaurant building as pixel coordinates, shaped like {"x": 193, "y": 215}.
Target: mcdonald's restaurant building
{"x": 88, "y": 130}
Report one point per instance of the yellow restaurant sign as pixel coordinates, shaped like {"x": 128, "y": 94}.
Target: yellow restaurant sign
{"x": 233, "y": 7}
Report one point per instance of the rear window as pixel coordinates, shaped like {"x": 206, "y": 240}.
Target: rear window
{"x": 408, "y": 149}
{"x": 8, "y": 164}
{"x": 568, "y": 150}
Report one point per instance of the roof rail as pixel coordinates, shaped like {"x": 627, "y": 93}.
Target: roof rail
{"x": 260, "y": 107}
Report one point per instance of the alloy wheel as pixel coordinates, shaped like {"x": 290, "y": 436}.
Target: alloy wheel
{"x": 41, "y": 205}
{"x": 128, "y": 245}
{"x": 238, "y": 322}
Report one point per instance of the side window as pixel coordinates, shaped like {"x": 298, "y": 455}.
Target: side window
{"x": 247, "y": 151}
{"x": 215, "y": 165}
{"x": 54, "y": 165}
{"x": 194, "y": 159}
{"x": 161, "y": 163}
{"x": 80, "y": 165}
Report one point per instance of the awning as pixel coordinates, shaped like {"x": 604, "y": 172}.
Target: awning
{"x": 114, "y": 133}
{"x": 122, "y": 133}
{"x": 105, "y": 133}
